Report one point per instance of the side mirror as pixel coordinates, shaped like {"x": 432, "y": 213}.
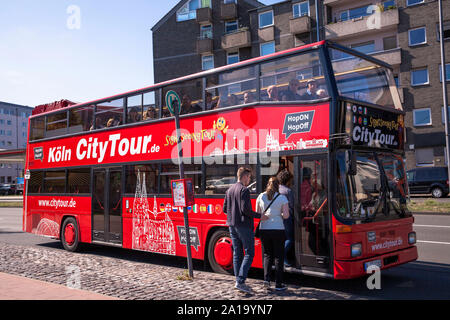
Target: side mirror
{"x": 351, "y": 162}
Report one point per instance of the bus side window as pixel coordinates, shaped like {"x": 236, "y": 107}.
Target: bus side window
{"x": 110, "y": 113}
{"x": 35, "y": 182}
{"x": 80, "y": 119}
{"x": 55, "y": 182}
{"x": 79, "y": 181}
{"x": 139, "y": 174}
{"x": 37, "y": 128}
{"x": 134, "y": 109}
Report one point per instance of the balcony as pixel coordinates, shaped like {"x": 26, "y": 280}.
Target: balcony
{"x": 300, "y": 25}
{"x": 266, "y": 34}
{"x": 204, "y": 15}
{"x": 333, "y": 3}
{"x": 380, "y": 21}
{"x": 392, "y": 57}
{"x": 236, "y": 40}
{"x": 204, "y": 45}
{"x": 228, "y": 11}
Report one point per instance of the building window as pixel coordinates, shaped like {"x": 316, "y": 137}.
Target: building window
{"x": 417, "y": 36}
{"x": 300, "y": 9}
{"x": 447, "y": 72}
{"x": 266, "y": 19}
{"x": 232, "y": 57}
{"x": 446, "y": 27}
{"x": 419, "y": 77}
{"x": 9, "y": 122}
{"x": 229, "y": 1}
{"x": 267, "y": 48}
{"x": 413, "y": 2}
{"x": 366, "y": 47}
{"x": 397, "y": 81}
{"x": 206, "y": 32}
{"x": 357, "y": 12}
{"x": 231, "y": 26}
{"x": 390, "y": 43}
{"x": 207, "y": 62}
{"x": 389, "y": 5}
{"x": 424, "y": 157}
{"x": 422, "y": 117}
{"x": 189, "y": 10}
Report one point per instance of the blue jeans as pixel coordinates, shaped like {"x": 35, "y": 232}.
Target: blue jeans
{"x": 243, "y": 240}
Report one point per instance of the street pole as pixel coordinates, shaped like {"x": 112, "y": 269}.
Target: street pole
{"x": 317, "y": 21}
{"x": 181, "y": 166}
{"x": 444, "y": 87}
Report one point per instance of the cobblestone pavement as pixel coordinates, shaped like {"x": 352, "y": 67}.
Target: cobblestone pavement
{"x": 127, "y": 279}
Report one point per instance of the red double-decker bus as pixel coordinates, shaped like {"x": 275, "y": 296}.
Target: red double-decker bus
{"x": 100, "y": 172}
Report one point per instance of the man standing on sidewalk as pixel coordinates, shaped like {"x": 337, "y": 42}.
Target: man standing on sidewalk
{"x": 240, "y": 216}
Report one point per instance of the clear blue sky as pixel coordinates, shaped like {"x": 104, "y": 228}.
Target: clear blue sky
{"x": 43, "y": 60}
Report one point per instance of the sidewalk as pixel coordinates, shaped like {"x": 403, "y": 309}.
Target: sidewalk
{"x": 20, "y": 288}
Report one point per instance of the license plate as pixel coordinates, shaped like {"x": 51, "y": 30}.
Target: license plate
{"x": 372, "y": 263}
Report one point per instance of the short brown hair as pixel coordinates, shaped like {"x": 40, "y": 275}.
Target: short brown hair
{"x": 284, "y": 176}
{"x": 243, "y": 171}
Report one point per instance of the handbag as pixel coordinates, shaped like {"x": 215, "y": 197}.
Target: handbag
{"x": 257, "y": 233}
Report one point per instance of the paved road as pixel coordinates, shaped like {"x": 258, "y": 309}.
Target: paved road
{"x": 111, "y": 271}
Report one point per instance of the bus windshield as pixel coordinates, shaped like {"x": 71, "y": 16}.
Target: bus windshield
{"x": 363, "y": 80}
{"x": 375, "y": 191}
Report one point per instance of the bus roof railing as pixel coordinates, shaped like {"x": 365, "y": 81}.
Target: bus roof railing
{"x": 233, "y": 66}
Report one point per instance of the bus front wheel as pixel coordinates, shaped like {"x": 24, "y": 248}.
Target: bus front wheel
{"x": 220, "y": 252}
{"x": 70, "y": 235}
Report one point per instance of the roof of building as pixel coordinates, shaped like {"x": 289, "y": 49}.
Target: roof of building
{"x": 182, "y": 2}
{"x": 14, "y": 105}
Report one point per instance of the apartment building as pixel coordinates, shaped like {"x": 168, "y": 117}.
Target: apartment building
{"x": 198, "y": 35}
{"x": 13, "y": 136}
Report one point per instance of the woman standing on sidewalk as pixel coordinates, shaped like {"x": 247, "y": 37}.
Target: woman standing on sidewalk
{"x": 276, "y": 208}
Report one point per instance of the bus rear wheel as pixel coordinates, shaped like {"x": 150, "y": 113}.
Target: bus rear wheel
{"x": 220, "y": 252}
{"x": 70, "y": 235}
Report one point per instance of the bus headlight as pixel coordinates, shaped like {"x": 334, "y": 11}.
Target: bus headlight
{"x": 412, "y": 238}
{"x": 356, "y": 250}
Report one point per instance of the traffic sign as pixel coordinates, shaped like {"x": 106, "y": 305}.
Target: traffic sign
{"x": 173, "y": 100}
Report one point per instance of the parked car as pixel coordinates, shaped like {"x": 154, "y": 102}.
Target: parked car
{"x": 432, "y": 180}
{"x": 7, "y": 189}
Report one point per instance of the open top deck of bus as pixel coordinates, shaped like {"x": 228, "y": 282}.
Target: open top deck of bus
{"x": 337, "y": 70}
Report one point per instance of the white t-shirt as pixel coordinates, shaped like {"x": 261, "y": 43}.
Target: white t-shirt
{"x": 275, "y": 221}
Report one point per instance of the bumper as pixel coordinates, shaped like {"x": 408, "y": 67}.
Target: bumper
{"x": 355, "y": 269}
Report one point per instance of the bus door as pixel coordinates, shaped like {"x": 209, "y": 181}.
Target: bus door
{"x": 312, "y": 227}
{"x": 107, "y": 205}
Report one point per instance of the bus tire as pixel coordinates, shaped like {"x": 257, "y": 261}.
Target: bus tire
{"x": 220, "y": 252}
{"x": 70, "y": 236}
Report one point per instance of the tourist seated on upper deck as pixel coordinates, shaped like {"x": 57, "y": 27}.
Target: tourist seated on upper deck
{"x": 110, "y": 123}
{"x": 187, "y": 107}
{"x": 98, "y": 124}
{"x": 248, "y": 97}
{"x": 149, "y": 114}
{"x": 210, "y": 103}
{"x": 311, "y": 90}
{"x": 272, "y": 93}
{"x": 233, "y": 100}
{"x": 133, "y": 115}
{"x": 321, "y": 93}
{"x": 291, "y": 93}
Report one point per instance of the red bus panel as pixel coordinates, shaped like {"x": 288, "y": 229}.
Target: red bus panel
{"x": 230, "y": 132}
